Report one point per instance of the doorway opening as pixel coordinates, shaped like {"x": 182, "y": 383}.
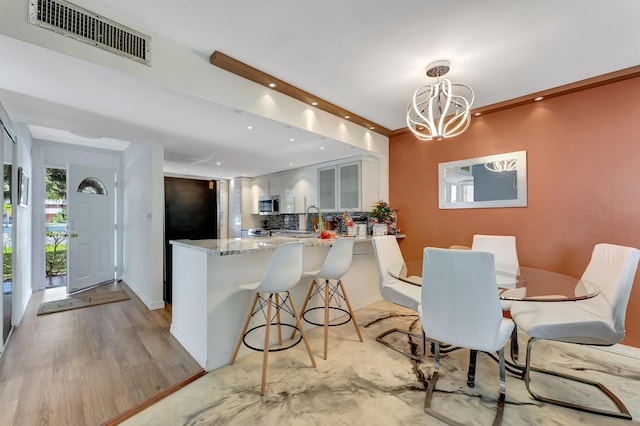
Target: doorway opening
{"x": 56, "y": 227}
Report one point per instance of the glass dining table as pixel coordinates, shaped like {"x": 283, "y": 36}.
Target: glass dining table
{"x": 525, "y": 284}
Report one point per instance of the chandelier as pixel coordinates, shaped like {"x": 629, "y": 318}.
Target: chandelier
{"x": 436, "y": 112}
{"x": 502, "y": 166}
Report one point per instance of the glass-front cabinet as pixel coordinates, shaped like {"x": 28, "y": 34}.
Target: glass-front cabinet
{"x": 340, "y": 187}
{"x": 327, "y": 194}
{"x": 349, "y": 186}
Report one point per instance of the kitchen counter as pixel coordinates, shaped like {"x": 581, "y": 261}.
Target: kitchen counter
{"x": 253, "y": 245}
{"x": 209, "y": 308}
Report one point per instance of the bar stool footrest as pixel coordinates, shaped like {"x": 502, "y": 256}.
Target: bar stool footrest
{"x": 277, "y": 349}
{"x": 321, "y": 324}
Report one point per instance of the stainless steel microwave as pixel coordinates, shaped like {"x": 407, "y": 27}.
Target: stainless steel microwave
{"x": 269, "y": 204}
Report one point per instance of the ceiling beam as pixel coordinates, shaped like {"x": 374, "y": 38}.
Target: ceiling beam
{"x": 234, "y": 66}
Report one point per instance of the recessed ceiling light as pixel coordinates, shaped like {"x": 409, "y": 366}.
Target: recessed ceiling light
{"x": 347, "y": 117}
{"x": 539, "y": 98}
{"x": 322, "y": 147}
{"x": 291, "y": 164}
{"x": 272, "y": 85}
{"x": 249, "y": 127}
{"x": 291, "y": 139}
{"x": 218, "y": 163}
{"x": 477, "y": 113}
{"x": 371, "y": 127}
{"x": 314, "y": 103}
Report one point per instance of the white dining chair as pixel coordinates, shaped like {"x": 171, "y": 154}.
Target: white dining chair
{"x": 596, "y": 321}
{"x": 326, "y": 282}
{"x": 460, "y": 306}
{"x": 387, "y": 252}
{"x": 283, "y": 271}
{"x": 507, "y": 270}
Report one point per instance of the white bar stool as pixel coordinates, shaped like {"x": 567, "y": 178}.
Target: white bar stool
{"x": 283, "y": 271}
{"x": 336, "y": 264}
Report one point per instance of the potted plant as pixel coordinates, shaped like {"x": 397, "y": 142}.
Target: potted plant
{"x": 381, "y": 214}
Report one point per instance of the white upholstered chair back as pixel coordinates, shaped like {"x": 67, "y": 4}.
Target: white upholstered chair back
{"x": 338, "y": 260}
{"x": 612, "y": 269}
{"x": 506, "y": 256}
{"x": 284, "y": 269}
{"x": 387, "y": 252}
{"x": 460, "y": 303}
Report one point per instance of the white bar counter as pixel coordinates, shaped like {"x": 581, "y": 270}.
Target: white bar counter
{"x": 208, "y": 308}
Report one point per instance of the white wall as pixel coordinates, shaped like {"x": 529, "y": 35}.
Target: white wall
{"x": 22, "y": 227}
{"x": 143, "y": 223}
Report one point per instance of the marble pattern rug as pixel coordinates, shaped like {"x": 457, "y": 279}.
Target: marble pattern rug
{"x": 370, "y": 384}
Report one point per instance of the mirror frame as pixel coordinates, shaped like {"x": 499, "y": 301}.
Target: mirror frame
{"x": 521, "y": 178}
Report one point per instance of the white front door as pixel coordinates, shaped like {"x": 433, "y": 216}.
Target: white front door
{"x": 91, "y": 227}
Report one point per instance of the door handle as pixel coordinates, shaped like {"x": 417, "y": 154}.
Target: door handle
{"x": 73, "y": 235}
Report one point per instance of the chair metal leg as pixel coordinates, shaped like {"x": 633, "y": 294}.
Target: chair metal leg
{"x": 410, "y": 335}
{"x": 503, "y": 389}
{"x": 514, "y": 344}
{"x": 434, "y": 378}
{"x": 471, "y": 373}
{"x": 623, "y": 412}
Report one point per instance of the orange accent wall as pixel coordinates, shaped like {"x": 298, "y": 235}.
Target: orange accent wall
{"x": 583, "y": 160}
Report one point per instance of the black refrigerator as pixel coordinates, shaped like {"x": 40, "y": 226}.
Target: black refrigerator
{"x": 191, "y": 212}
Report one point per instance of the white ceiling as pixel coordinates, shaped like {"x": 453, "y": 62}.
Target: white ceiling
{"x": 367, "y": 56}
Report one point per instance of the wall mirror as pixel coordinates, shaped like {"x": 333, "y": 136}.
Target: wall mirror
{"x": 484, "y": 182}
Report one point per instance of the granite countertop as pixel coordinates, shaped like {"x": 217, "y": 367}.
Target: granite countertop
{"x": 252, "y": 245}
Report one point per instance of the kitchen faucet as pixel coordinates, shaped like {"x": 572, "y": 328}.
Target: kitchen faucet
{"x": 306, "y": 216}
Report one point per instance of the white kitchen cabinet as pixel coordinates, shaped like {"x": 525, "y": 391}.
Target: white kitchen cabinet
{"x": 311, "y": 189}
{"x": 269, "y": 185}
{"x": 255, "y": 195}
{"x": 327, "y": 188}
{"x": 298, "y": 190}
{"x": 287, "y": 197}
{"x": 349, "y": 186}
{"x": 352, "y": 185}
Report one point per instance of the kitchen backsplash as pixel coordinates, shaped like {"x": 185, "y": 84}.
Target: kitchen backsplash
{"x": 292, "y": 221}
{"x": 280, "y": 221}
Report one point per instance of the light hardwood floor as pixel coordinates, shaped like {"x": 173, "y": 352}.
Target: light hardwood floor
{"x": 87, "y": 366}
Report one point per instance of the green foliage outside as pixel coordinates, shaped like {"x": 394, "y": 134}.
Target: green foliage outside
{"x": 56, "y": 184}
{"x": 56, "y": 254}
{"x": 56, "y": 249}
{"x": 6, "y": 262}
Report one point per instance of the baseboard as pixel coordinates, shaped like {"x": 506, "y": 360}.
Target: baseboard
{"x": 189, "y": 346}
{"x": 151, "y": 305}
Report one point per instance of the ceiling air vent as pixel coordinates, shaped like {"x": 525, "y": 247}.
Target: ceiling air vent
{"x": 80, "y": 24}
